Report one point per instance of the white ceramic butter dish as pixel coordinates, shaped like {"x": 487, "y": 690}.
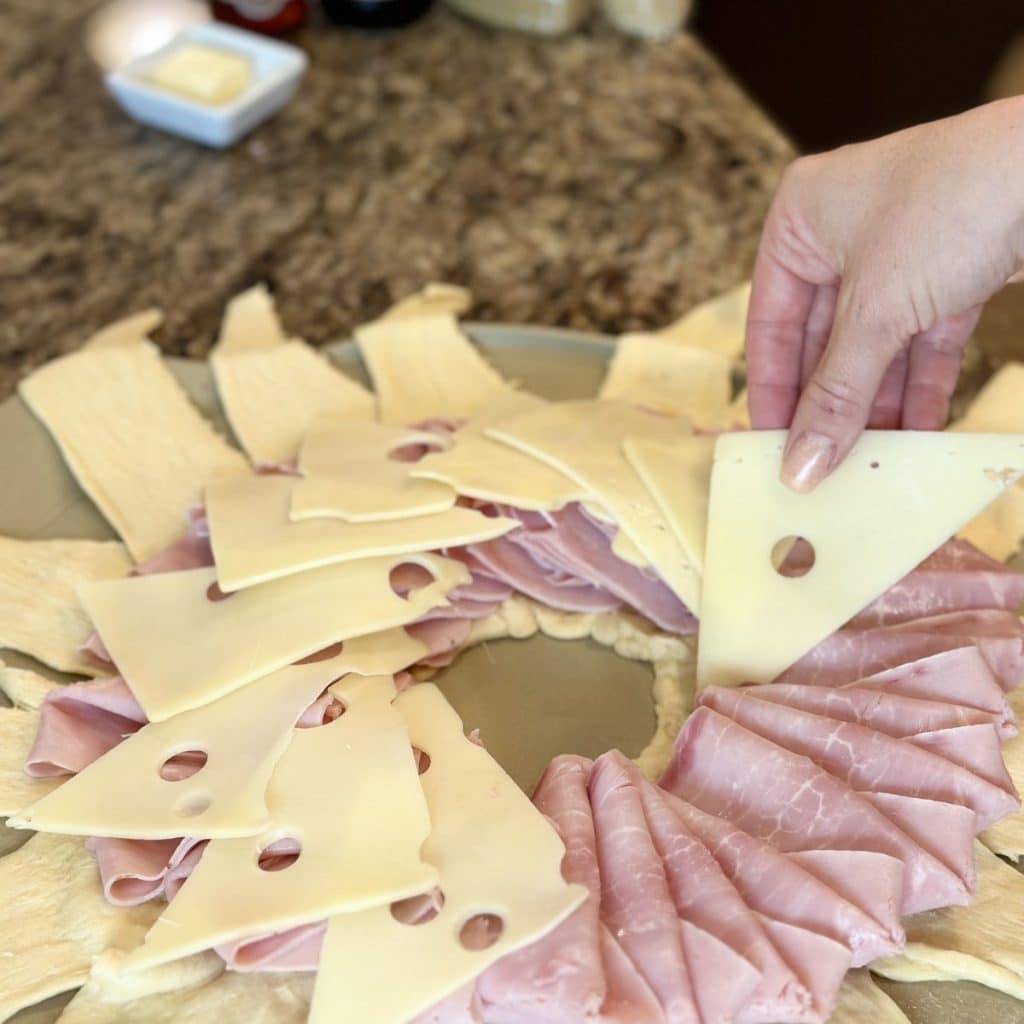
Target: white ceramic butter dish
{"x": 275, "y": 70}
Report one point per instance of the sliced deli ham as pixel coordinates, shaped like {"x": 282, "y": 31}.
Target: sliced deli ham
{"x": 795, "y": 805}
{"x": 955, "y": 578}
{"x": 79, "y": 723}
{"x": 636, "y": 903}
{"x": 864, "y": 758}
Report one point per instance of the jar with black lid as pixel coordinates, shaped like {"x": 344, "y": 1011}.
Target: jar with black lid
{"x": 375, "y": 13}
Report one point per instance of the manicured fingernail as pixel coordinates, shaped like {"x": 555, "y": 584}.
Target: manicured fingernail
{"x": 808, "y": 461}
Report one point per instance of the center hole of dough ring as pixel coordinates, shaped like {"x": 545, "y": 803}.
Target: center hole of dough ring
{"x": 481, "y": 931}
{"x": 280, "y": 854}
{"x": 418, "y": 909}
{"x": 793, "y": 556}
{"x": 184, "y": 765}
{"x": 214, "y": 593}
{"x": 408, "y": 578}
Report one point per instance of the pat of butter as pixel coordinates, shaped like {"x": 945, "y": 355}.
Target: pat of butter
{"x": 204, "y": 73}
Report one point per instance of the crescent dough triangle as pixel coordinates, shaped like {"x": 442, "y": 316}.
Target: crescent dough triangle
{"x": 895, "y": 499}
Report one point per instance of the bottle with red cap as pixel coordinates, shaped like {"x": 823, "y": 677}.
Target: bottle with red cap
{"x": 271, "y": 17}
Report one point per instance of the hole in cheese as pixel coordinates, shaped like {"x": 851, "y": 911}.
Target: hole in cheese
{"x": 408, "y": 578}
{"x": 324, "y": 654}
{"x": 183, "y": 765}
{"x": 280, "y": 854}
{"x": 481, "y": 931}
{"x": 422, "y": 759}
{"x": 192, "y": 805}
{"x": 214, "y": 593}
{"x": 418, "y": 909}
{"x": 334, "y": 710}
{"x": 793, "y": 557}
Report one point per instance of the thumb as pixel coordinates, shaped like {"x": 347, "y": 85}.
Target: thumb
{"x": 836, "y": 403}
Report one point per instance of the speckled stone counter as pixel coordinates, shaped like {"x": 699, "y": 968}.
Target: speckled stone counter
{"x": 593, "y": 181}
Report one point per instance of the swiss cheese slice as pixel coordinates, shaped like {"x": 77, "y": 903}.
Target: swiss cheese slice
{"x": 178, "y": 647}
{"x": 998, "y": 408}
{"x": 127, "y": 331}
{"x": 671, "y": 378}
{"x": 271, "y": 387}
{"x": 243, "y": 734}
{"x": 896, "y": 498}
{"x": 348, "y": 793}
{"x": 678, "y": 477}
{"x": 719, "y": 324}
{"x": 424, "y": 367}
{"x": 495, "y": 854}
{"x": 479, "y": 467}
{"x": 143, "y": 477}
{"x": 40, "y": 613}
{"x": 982, "y": 943}
{"x": 584, "y": 441}
{"x": 348, "y": 473}
{"x": 254, "y": 539}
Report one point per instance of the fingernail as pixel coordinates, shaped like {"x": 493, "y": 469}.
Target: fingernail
{"x": 808, "y": 461}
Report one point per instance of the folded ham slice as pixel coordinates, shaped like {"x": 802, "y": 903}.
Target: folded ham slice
{"x": 134, "y": 871}
{"x": 636, "y": 903}
{"x": 79, "y": 723}
{"x": 864, "y": 758}
{"x": 793, "y": 804}
{"x": 955, "y": 578}
{"x": 960, "y": 676}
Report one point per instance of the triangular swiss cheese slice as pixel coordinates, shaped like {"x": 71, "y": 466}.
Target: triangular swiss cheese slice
{"x": 348, "y": 473}
{"x": 179, "y": 644}
{"x": 718, "y": 324}
{"x": 349, "y": 795}
{"x": 479, "y": 467}
{"x": 583, "y": 440}
{"x": 499, "y": 862}
{"x": 896, "y": 498}
{"x": 244, "y": 734}
{"x": 255, "y": 540}
{"x": 678, "y": 477}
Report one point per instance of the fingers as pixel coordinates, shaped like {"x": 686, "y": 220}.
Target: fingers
{"x": 887, "y": 411}
{"x": 817, "y": 330}
{"x": 837, "y": 402}
{"x": 934, "y": 366}
{"x": 780, "y": 303}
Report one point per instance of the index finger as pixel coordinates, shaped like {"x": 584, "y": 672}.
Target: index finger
{"x": 780, "y": 303}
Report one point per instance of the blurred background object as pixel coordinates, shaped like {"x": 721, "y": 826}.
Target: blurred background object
{"x": 272, "y": 17}
{"x": 376, "y": 13}
{"x": 649, "y": 19}
{"x": 125, "y": 30}
{"x": 550, "y": 17}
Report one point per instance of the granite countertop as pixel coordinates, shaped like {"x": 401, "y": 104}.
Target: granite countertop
{"x": 593, "y": 181}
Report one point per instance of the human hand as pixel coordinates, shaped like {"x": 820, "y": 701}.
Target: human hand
{"x": 872, "y": 270}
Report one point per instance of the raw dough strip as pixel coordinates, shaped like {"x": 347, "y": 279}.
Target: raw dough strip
{"x": 144, "y": 478}
{"x": 983, "y": 942}
{"x": 272, "y": 387}
{"x": 1006, "y": 837}
{"x": 18, "y": 726}
{"x": 56, "y": 921}
{"x": 424, "y": 367}
{"x": 40, "y": 614}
